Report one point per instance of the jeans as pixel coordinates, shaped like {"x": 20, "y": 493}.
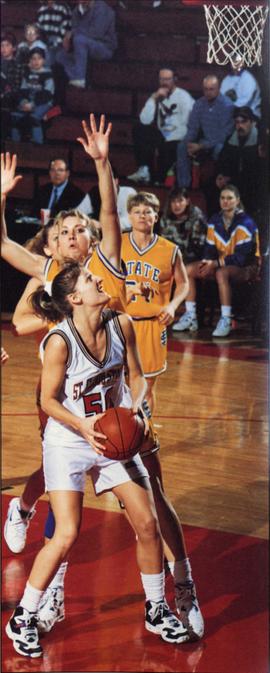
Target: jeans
{"x": 25, "y": 121}
{"x": 148, "y": 138}
{"x": 75, "y": 63}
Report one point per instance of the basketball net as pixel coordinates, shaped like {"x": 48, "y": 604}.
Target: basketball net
{"x": 233, "y": 31}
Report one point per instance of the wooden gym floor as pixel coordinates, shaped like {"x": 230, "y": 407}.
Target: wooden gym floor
{"x": 213, "y": 425}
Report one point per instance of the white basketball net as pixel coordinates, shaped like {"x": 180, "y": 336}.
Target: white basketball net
{"x": 234, "y": 31}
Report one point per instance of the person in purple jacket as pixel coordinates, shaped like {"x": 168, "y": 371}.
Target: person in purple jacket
{"x": 92, "y": 37}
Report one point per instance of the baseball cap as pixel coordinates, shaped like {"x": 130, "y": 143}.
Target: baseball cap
{"x": 244, "y": 112}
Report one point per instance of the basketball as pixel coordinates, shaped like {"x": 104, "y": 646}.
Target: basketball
{"x": 124, "y": 431}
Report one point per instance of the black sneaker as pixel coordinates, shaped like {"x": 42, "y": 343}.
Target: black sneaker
{"x": 160, "y": 619}
{"x": 22, "y": 629}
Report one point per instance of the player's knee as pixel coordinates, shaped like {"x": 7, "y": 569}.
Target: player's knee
{"x": 147, "y": 529}
{"x": 65, "y": 537}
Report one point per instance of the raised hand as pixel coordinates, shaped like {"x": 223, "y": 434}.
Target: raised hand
{"x": 96, "y": 142}
{"x": 8, "y": 170}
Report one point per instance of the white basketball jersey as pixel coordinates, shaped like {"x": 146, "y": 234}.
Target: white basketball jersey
{"x": 90, "y": 387}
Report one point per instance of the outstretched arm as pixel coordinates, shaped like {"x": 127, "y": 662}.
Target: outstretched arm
{"x": 15, "y": 254}
{"x": 96, "y": 144}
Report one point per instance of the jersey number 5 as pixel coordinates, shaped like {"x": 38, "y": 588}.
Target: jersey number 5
{"x": 96, "y": 404}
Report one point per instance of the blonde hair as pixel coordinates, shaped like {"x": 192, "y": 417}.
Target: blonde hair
{"x": 146, "y": 198}
{"x": 75, "y": 212}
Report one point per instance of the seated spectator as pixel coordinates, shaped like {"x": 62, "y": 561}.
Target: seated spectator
{"x": 60, "y": 193}
{"x": 242, "y": 88}
{"x": 231, "y": 256}
{"x": 184, "y": 224}
{"x": 35, "y": 98}
{"x": 123, "y": 193}
{"x": 92, "y": 37}
{"x": 210, "y": 123}
{"x": 163, "y": 122}
{"x": 240, "y": 159}
{"x": 32, "y": 40}
{"x": 54, "y": 20}
{"x": 11, "y": 77}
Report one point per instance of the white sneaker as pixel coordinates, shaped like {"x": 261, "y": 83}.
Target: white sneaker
{"x": 79, "y": 83}
{"x": 187, "y": 321}
{"x": 188, "y": 609}
{"x": 22, "y": 629}
{"x": 51, "y": 609}
{"x": 223, "y": 327}
{"x": 141, "y": 175}
{"x": 15, "y": 528}
{"x": 160, "y": 619}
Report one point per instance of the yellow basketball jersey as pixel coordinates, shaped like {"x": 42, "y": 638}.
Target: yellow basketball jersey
{"x": 153, "y": 266}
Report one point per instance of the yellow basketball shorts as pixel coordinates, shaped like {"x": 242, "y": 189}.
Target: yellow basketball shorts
{"x": 152, "y": 345}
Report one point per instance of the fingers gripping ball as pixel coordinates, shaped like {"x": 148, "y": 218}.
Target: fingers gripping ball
{"x": 124, "y": 431}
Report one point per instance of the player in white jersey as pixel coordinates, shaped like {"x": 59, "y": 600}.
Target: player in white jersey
{"x": 52, "y": 607}
{"x": 87, "y": 353}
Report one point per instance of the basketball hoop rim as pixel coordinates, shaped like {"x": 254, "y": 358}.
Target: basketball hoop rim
{"x": 223, "y": 3}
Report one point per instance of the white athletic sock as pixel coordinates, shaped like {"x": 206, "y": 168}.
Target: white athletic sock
{"x": 31, "y": 598}
{"x": 226, "y": 311}
{"x": 191, "y": 307}
{"x": 59, "y": 577}
{"x": 181, "y": 571}
{"x": 154, "y": 586}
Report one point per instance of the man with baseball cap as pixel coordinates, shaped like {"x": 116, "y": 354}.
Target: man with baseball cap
{"x": 240, "y": 158}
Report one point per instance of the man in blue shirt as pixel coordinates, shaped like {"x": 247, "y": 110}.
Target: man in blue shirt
{"x": 210, "y": 123}
{"x": 92, "y": 38}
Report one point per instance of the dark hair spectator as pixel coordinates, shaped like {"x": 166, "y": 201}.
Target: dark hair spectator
{"x": 34, "y": 99}
{"x": 184, "y": 224}
{"x": 11, "y": 77}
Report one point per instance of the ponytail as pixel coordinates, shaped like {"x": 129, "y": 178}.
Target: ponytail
{"x": 43, "y": 305}
{"x": 51, "y": 302}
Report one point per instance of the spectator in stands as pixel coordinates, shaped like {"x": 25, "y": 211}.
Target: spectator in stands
{"x": 184, "y": 224}
{"x": 241, "y": 87}
{"x": 154, "y": 4}
{"x": 35, "y": 98}
{"x": 32, "y": 40}
{"x": 92, "y": 38}
{"x": 54, "y": 20}
{"x": 240, "y": 159}
{"x": 163, "y": 122}
{"x": 61, "y": 193}
{"x": 123, "y": 192}
{"x": 210, "y": 123}
{"x": 11, "y": 77}
{"x": 212, "y": 189}
{"x": 231, "y": 256}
